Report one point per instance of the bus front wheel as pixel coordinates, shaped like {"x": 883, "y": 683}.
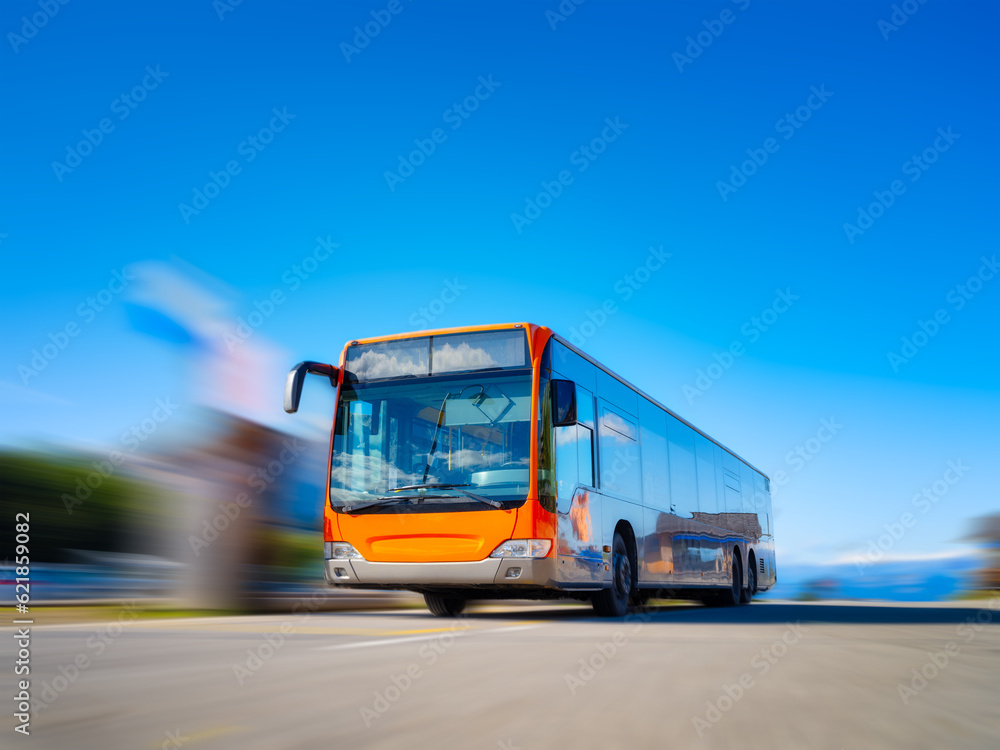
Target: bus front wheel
{"x": 443, "y": 605}
{"x": 613, "y": 602}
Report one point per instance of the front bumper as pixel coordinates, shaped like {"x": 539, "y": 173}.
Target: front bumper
{"x": 505, "y": 572}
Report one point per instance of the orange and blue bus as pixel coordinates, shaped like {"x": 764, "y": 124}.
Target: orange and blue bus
{"x": 503, "y": 462}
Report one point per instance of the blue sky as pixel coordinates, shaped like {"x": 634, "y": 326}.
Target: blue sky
{"x": 905, "y": 111}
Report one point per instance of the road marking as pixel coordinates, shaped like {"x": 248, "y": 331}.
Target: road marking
{"x": 413, "y": 639}
{"x": 179, "y": 737}
{"x": 512, "y": 628}
{"x": 387, "y": 641}
{"x": 262, "y": 628}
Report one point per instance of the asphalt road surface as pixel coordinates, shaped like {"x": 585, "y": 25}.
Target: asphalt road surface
{"x": 775, "y": 675}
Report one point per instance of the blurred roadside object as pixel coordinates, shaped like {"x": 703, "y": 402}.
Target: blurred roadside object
{"x": 231, "y": 483}
{"x": 821, "y": 588}
{"x": 229, "y": 491}
{"x": 986, "y": 533}
{"x": 129, "y": 537}
{"x": 917, "y": 579}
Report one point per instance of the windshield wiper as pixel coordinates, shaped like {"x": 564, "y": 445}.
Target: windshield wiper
{"x": 408, "y": 498}
{"x": 445, "y": 486}
{"x": 383, "y": 501}
{"x": 437, "y": 429}
{"x": 428, "y": 486}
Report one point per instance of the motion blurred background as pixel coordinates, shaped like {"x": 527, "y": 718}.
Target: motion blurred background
{"x": 198, "y": 195}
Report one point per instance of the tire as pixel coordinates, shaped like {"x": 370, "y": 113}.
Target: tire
{"x": 731, "y": 596}
{"x": 443, "y": 605}
{"x": 614, "y": 601}
{"x": 747, "y": 594}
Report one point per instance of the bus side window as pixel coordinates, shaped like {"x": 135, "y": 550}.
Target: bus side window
{"x": 585, "y": 434}
{"x": 567, "y": 465}
{"x": 619, "y": 454}
{"x": 575, "y": 451}
{"x": 585, "y": 445}
{"x": 574, "y": 462}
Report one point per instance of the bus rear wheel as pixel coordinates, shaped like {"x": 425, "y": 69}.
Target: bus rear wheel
{"x": 731, "y": 596}
{"x": 751, "y": 589}
{"x": 444, "y": 605}
{"x": 613, "y": 602}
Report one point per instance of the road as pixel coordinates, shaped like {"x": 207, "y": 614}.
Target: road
{"x": 776, "y": 675}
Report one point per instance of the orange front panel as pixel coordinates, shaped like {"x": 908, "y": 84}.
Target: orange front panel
{"x": 427, "y": 537}
{"x": 534, "y": 522}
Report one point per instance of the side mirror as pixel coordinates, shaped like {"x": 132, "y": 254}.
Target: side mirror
{"x": 563, "y": 403}
{"x": 293, "y": 383}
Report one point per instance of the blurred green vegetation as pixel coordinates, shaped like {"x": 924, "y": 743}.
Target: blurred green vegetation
{"x": 72, "y": 505}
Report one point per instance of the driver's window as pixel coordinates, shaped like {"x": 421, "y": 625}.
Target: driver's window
{"x": 575, "y": 451}
{"x": 574, "y": 462}
{"x": 567, "y": 465}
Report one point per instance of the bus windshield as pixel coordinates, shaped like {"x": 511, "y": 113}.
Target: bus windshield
{"x": 424, "y": 440}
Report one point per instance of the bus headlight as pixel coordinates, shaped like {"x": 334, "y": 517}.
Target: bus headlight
{"x": 523, "y": 548}
{"x": 340, "y": 551}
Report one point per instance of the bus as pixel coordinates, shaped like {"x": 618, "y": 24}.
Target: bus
{"x": 503, "y": 462}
